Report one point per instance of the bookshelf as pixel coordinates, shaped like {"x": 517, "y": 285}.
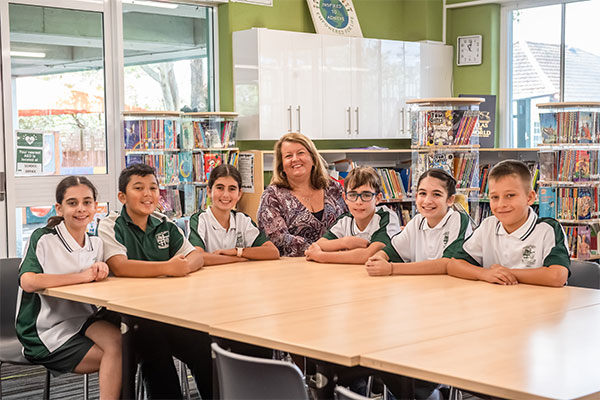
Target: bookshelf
{"x": 183, "y": 148}
{"x": 445, "y": 135}
{"x": 570, "y": 172}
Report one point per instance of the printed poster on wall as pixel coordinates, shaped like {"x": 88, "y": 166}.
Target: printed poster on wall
{"x": 246, "y": 168}
{"x": 30, "y": 153}
{"x": 334, "y": 17}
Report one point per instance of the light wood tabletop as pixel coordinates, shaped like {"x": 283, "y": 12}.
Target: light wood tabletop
{"x": 337, "y": 313}
{"x": 554, "y": 356}
{"x": 423, "y": 308}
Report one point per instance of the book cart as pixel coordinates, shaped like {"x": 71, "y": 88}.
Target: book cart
{"x": 183, "y": 148}
{"x": 445, "y": 136}
{"x": 570, "y": 172}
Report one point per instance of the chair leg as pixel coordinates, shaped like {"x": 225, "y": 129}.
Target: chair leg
{"x": 86, "y": 385}
{"x": 139, "y": 387}
{"x": 0, "y": 380}
{"x": 185, "y": 385}
{"x": 46, "y": 395}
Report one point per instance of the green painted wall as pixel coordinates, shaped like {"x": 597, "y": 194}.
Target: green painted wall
{"x": 382, "y": 19}
{"x": 477, "y": 79}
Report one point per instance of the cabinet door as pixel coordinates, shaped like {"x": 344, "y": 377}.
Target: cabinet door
{"x": 274, "y": 89}
{"x": 392, "y": 88}
{"x": 305, "y": 84}
{"x": 436, "y": 70}
{"x": 366, "y": 88}
{"x": 337, "y": 87}
{"x": 412, "y": 79}
{"x": 245, "y": 83}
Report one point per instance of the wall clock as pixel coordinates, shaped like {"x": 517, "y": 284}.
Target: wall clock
{"x": 468, "y": 50}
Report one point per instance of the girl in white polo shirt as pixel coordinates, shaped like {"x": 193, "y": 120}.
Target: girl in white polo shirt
{"x": 62, "y": 335}
{"x": 223, "y": 234}
{"x": 431, "y": 237}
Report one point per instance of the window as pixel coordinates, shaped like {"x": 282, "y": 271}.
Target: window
{"x": 168, "y": 57}
{"x": 545, "y": 65}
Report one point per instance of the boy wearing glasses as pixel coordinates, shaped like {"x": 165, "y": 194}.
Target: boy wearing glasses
{"x": 362, "y": 232}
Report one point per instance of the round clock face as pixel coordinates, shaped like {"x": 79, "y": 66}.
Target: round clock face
{"x": 469, "y": 50}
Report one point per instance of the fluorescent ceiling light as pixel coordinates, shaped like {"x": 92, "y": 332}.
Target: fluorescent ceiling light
{"x": 27, "y": 54}
{"x": 150, "y": 3}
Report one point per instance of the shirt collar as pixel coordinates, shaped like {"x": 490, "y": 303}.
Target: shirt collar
{"x": 216, "y": 225}
{"x": 425, "y": 226}
{"x": 523, "y": 231}
{"x": 69, "y": 241}
{"x": 153, "y": 219}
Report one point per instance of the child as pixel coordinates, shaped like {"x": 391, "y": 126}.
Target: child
{"x": 513, "y": 245}
{"x": 62, "y": 335}
{"x": 139, "y": 242}
{"x": 363, "y": 231}
{"x": 431, "y": 237}
{"x": 222, "y": 234}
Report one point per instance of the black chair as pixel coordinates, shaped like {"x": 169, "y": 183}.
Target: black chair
{"x": 585, "y": 274}
{"x": 10, "y": 347}
{"x": 244, "y": 377}
{"x": 11, "y": 350}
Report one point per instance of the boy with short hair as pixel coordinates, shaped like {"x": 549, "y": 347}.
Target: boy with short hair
{"x": 139, "y": 242}
{"x": 514, "y": 245}
{"x": 364, "y": 230}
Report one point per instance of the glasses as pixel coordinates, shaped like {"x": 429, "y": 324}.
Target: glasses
{"x": 364, "y": 196}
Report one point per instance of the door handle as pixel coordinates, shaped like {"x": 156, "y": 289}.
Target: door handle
{"x": 298, "y": 110}
{"x": 357, "y": 124}
{"x": 290, "y": 115}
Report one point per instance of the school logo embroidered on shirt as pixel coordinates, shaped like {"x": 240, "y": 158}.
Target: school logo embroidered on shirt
{"x": 162, "y": 240}
{"x": 446, "y": 238}
{"x": 239, "y": 241}
{"x": 528, "y": 254}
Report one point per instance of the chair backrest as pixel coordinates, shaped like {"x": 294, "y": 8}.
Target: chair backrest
{"x": 341, "y": 393}
{"x": 584, "y": 274}
{"x": 243, "y": 377}
{"x": 9, "y": 285}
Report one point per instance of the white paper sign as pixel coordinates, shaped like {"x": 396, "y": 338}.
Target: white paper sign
{"x": 246, "y": 168}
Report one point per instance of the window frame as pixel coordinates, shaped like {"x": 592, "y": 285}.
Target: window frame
{"x": 506, "y": 40}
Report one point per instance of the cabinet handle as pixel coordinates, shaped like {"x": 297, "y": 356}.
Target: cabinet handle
{"x": 356, "y": 129}
{"x": 402, "y": 127}
{"x": 298, "y": 109}
{"x": 290, "y": 115}
{"x": 349, "y": 111}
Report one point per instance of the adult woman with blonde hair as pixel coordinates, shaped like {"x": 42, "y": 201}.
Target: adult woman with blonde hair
{"x": 301, "y": 202}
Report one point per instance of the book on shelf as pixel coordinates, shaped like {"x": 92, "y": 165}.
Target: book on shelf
{"x": 186, "y": 166}
{"x": 487, "y": 119}
{"x": 548, "y": 127}
{"x": 570, "y": 127}
{"x": 211, "y": 161}
{"x": 584, "y": 203}
{"x": 584, "y": 239}
{"x": 547, "y": 200}
{"x": 157, "y": 133}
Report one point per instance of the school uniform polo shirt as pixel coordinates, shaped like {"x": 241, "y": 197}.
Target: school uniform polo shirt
{"x": 538, "y": 242}
{"x": 45, "y": 323}
{"x": 382, "y": 227}
{"x": 208, "y": 233}
{"x": 161, "y": 241}
{"x": 419, "y": 242}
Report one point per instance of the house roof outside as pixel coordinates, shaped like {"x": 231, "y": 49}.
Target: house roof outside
{"x": 536, "y": 72}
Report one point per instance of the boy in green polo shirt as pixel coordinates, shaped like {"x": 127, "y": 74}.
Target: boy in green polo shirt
{"x": 139, "y": 242}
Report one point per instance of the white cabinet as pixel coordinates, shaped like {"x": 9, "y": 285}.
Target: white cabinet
{"x": 332, "y": 87}
{"x": 277, "y": 83}
{"x": 351, "y": 87}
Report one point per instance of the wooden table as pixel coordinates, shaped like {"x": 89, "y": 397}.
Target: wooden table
{"x": 553, "y": 356}
{"x": 337, "y": 313}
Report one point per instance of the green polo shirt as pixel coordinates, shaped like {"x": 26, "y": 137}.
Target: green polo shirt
{"x": 160, "y": 242}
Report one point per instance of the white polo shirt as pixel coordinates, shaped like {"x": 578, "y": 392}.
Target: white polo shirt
{"x": 46, "y": 323}
{"x": 382, "y": 227}
{"x": 207, "y": 232}
{"x": 419, "y": 242}
{"x": 538, "y": 242}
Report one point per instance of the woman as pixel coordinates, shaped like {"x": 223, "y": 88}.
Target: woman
{"x": 301, "y": 202}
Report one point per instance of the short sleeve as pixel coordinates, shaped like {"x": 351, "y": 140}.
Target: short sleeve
{"x": 338, "y": 229}
{"x": 253, "y": 237}
{"x": 107, "y": 232}
{"x": 472, "y": 248}
{"x": 559, "y": 255}
{"x": 401, "y": 248}
{"x": 461, "y": 230}
{"x": 389, "y": 226}
{"x": 178, "y": 244}
{"x": 34, "y": 257}
{"x": 197, "y": 226}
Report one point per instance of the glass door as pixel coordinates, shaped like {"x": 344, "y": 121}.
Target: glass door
{"x": 57, "y": 108}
